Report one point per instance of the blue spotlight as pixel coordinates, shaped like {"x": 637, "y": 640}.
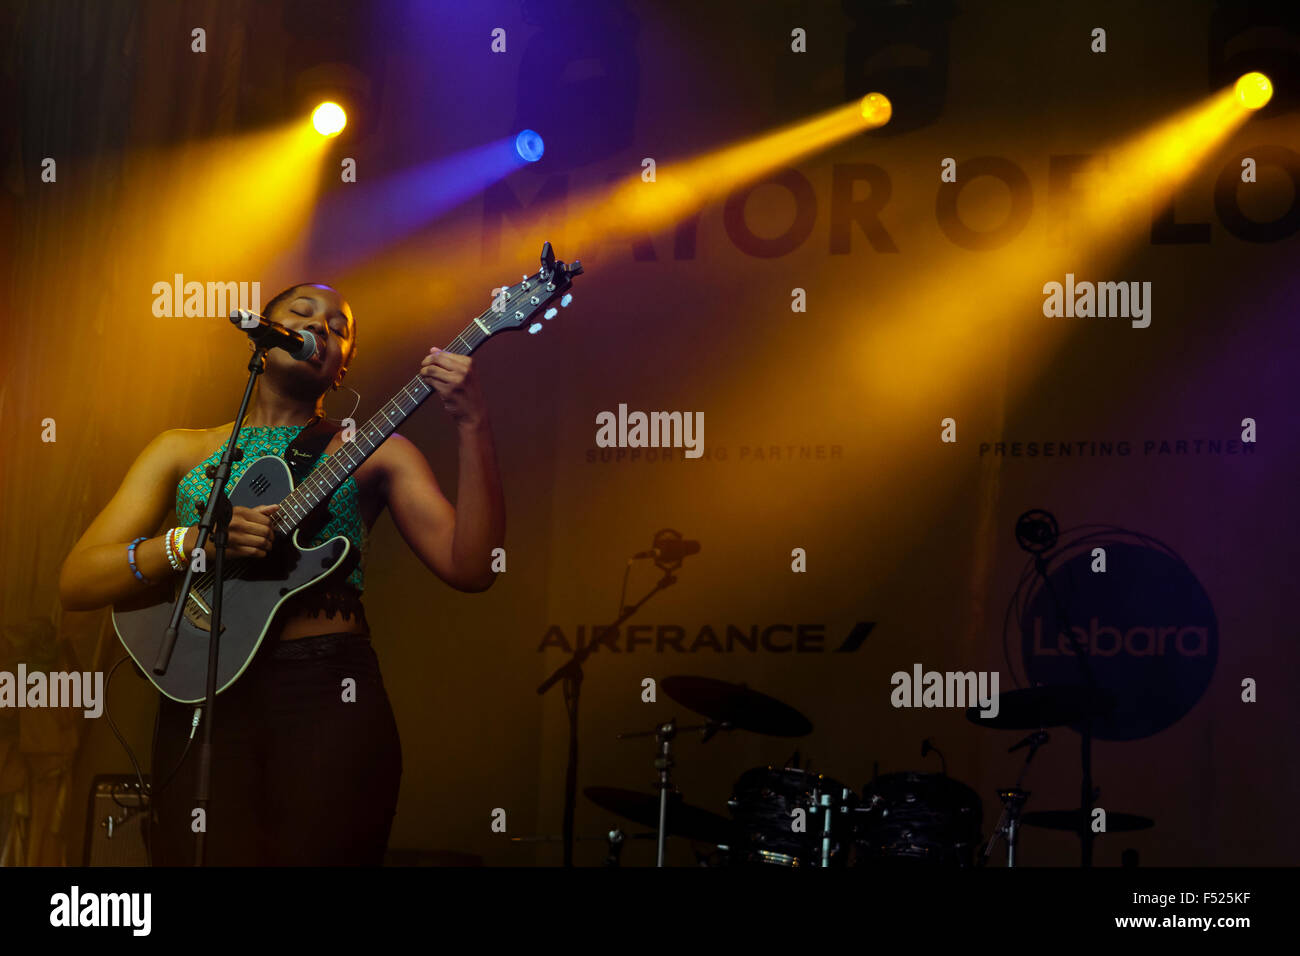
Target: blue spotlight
{"x": 529, "y": 146}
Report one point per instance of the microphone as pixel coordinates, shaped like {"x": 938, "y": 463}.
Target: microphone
{"x": 268, "y": 334}
{"x": 1037, "y": 531}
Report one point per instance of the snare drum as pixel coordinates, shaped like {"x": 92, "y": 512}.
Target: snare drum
{"x": 763, "y": 805}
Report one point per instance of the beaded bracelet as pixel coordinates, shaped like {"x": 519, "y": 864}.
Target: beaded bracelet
{"x": 175, "y": 556}
{"x": 180, "y": 546}
{"x": 130, "y": 559}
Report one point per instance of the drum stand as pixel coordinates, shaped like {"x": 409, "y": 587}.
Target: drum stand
{"x": 664, "y": 764}
{"x": 1013, "y": 801}
{"x": 823, "y": 800}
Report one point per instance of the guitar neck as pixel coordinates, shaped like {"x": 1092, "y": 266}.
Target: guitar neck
{"x": 326, "y": 477}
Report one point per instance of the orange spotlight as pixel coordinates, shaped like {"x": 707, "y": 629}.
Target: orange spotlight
{"x": 1254, "y": 90}
{"x": 876, "y": 109}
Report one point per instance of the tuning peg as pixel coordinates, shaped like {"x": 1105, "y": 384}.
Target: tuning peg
{"x": 534, "y": 328}
{"x": 551, "y": 313}
{"x": 568, "y": 297}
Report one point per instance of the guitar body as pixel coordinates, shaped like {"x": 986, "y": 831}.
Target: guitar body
{"x": 249, "y": 603}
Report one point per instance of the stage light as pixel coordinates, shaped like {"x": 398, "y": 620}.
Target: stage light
{"x": 529, "y": 146}
{"x": 1254, "y": 90}
{"x": 876, "y": 109}
{"x": 329, "y": 119}
{"x": 584, "y": 53}
{"x": 901, "y": 46}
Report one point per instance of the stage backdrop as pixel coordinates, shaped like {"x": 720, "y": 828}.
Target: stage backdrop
{"x": 866, "y": 342}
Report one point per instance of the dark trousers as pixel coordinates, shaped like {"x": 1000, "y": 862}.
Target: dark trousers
{"x": 301, "y": 776}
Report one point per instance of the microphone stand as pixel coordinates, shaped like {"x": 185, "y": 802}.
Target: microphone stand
{"x": 571, "y": 673}
{"x": 216, "y": 521}
{"x": 1086, "y": 793}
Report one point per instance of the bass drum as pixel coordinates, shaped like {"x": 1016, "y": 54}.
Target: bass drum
{"x": 917, "y": 818}
{"x": 762, "y": 806}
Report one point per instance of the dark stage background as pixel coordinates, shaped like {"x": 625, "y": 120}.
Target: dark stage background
{"x": 822, "y": 427}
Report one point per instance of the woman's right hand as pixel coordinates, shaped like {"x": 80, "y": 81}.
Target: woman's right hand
{"x": 251, "y": 533}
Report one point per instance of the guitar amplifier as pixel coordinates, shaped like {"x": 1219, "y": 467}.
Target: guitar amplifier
{"x": 115, "y": 822}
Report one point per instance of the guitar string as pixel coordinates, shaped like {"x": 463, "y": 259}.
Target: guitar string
{"x": 239, "y": 565}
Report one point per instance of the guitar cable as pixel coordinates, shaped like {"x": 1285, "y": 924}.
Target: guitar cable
{"x": 146, "y": 795}
{"x": 146, "y": 802}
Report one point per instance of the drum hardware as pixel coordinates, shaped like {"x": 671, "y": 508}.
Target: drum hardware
{"x": 1035, "y": 708}
{"x": 764, "y": 806}
{"x": 664, "y": 734}
{"x": 616, "y": 840}
{"x": 1037, "y": 533}
{"x": 728, "y": 707}
{"x": 684, "y": 819}
{"x": 827, "y": 808}
{"x": 664, "y": 764}
{"x": 1013, "y": 801}
{"x": 570, "y": 676}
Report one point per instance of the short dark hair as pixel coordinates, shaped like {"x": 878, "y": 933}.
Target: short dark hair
{"x": 287, "y": 293}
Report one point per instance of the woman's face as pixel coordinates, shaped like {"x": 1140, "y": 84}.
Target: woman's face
{"x": 321, "y": 311}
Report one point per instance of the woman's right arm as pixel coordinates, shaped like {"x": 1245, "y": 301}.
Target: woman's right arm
{"x": 96, "y": 572}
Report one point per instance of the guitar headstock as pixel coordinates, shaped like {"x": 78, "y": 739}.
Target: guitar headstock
{"x": 519, "y": 306}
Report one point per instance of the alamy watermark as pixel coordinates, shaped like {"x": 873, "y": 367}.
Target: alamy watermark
{"x": 56, "y": 689}
{"x": 1127, "y": 300}
{"x": 946, "y": 689}
{"x": 75, "y": 909}
{"x": 179, "y": 298}
{"x": 651, "y": 430}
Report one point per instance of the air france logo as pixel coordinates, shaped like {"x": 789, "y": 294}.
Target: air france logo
{"x": 1145, "y": 623}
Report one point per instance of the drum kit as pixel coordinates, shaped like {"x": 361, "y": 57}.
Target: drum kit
{"x": 792, "y": 816}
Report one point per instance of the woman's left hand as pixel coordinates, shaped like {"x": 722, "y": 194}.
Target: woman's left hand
{"x": 452, "y": 376}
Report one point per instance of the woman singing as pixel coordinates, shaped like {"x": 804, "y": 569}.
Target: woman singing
{"x": 300, "y": 777}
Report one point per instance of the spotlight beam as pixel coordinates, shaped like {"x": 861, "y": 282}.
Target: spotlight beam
{"x": 682, "y": 187}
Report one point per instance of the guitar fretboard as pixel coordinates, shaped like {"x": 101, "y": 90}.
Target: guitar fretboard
{"x": 326, "y": 477}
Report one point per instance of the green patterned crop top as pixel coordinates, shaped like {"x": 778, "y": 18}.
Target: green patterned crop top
{"x": 259, "y": 440}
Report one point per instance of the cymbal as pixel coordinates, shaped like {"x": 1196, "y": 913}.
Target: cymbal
{"x": 1075, "y": 819}
{"x": 1049, "y": 706}
{"x": 736, "y": 704}
{"x": 684, "y": 820}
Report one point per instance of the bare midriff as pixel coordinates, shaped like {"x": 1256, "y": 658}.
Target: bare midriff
{"x": 293, "y": 623}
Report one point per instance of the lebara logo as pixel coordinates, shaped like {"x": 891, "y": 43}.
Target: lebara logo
{"x": 1145, "y": 623}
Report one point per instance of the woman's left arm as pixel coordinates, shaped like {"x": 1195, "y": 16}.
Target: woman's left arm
{"x": 455, "y": 543}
